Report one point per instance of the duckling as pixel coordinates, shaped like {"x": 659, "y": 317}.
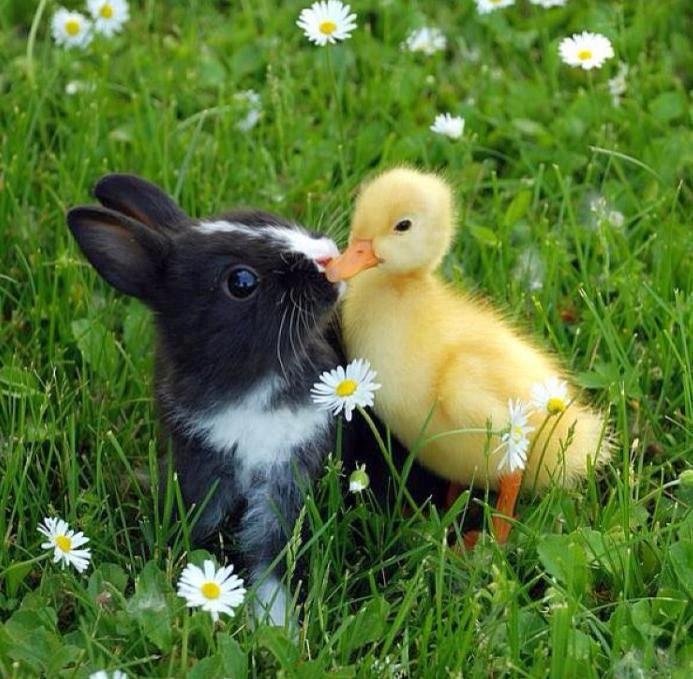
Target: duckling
{"x": 446, "y": 360}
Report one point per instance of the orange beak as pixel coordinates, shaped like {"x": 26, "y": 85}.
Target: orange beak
{"x": 358, "y": 257}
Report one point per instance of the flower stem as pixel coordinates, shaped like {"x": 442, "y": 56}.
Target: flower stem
{"x": 184, "y": 642}
{"x": 31, "y": 41}
{"x": 387, "y": 456}
{"x": 19, "y": 564}
{"x": 341, "y": 144}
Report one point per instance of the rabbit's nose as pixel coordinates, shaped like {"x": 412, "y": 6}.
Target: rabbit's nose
{"x": 322, "y": 262}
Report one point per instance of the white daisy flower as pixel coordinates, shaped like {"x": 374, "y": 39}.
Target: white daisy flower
{"x": 618, "y": 84}
{"x": 102, "y": 674}
{"x": 550, "y": 397}
{"x": 71, "y": 29}
{"x": 530, "y": 269}
{"x": 549, "y": 3}
{"x": 426, "y": 40}
{"x": 341, "y": 389}
{"x": 515, "y": 437}
{"x": 616, "y": 218}
{"x": 252, "y": 106}
{"x": 486, "y": 6}
{"x": 586, "y": 50}
{"x": 448, "y": 125}
{"x": 75, "y": 86}
{"x": 109, "y": 15}
{"x": 216, "y": 591}
{"x": 603, "y": 214}
{"x": 359, "y": 480}
{"x": 65, "y": 543}
{"x": 327, "y": 21}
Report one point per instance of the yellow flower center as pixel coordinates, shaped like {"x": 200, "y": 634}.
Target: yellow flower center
{"x": 63, "y": 542}
{"x": 106, "y": 11}
{"x": 346, "y": 388}
{"x": 72, "y": 27}
{"x": 210, "y": 590}
{"x": 584, "y": 55}
{"x": 327, "y": 27}
{"x": 555, "y": 405}
{"x": 517, "y": 432}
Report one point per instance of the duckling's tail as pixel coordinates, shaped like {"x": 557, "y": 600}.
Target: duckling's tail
{"x": 566, "y": 446}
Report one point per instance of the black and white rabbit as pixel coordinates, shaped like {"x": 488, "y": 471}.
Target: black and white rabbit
{"x": 240, "y": 305}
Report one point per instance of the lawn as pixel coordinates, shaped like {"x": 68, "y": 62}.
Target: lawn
{"x": 575, "y": 218}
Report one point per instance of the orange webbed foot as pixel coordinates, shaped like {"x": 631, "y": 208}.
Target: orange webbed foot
{"x": 508, "y": 490}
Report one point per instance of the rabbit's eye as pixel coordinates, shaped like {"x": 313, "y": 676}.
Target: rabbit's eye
{"x": 242, "y": 282}
{"x": 403, "y": 225}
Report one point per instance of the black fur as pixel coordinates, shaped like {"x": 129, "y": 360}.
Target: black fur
{"x": 213, "y": 350}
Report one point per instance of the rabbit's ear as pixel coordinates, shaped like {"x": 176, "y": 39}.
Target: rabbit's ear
{"x": 141, "y": 200}
{"x": 128, "y": 254}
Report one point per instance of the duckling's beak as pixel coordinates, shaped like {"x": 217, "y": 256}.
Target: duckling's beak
{"x": 356, "y": 258}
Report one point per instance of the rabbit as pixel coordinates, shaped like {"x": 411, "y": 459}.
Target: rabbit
{"x": 240, "y": 305}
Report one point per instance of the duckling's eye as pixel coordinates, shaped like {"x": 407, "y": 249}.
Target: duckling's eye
{"x": 403, "y": 225}
{"x": 242, "y": 282}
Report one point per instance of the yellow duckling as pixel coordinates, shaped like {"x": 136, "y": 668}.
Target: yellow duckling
{"x": 442, "y": 354}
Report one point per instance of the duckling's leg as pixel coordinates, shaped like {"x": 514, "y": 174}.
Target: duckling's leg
{"x": 508, "y": 490}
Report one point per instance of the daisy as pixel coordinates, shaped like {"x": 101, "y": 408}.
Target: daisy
{"x": 359, "y": 480}
{"x": 549, "y": 3}
{"x": 216, "y": 591}
{"x": 618, "y": 84}
{"x": 341, "y": 389}
{"x": 71, "y": 29}
{"x": 251, "y": 105}
{"x": 586, "y": 50}
{"x": 550, "y": 397}
{"x": 448, "y": 125}
{"x": 515, "y": 437}
{"x": 486, "y": 6}
{"x": 65, "y": 543}
{"x": 327, "y": 21}
{"x": 426, "y": 40}
{"x": 109, "y": 15}
{"x": 530, "y": 269}
{"x": 603, "y": 214}
{"x": 102, "y": 674}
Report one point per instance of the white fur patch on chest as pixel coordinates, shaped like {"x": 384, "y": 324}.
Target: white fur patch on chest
{"x": 262, "y": 436}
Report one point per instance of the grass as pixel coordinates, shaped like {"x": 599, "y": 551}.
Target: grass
{"x": 597, "y": 581}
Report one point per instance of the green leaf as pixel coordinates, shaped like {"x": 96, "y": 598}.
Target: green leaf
{"x": 369, "y": 624}
{"x": 681, "y": 557}
{"x": 17, "y": 382}
{"x": 97, "y": 346}
{"x": 207, "y": 668}
{"x": 137, "y": 328}
{"x": 564, "y": 558}
{"x": 484, "y": 235}
{"x": 531, "y": 128}
{"x": 668, "y": 105}
{"x": 641, "y": 615}
{"x": 149, "y": 607}
{"x": 579, "y": 645}
{"x": 30, "y": 638}
{"x": 234, "y": 659}
{"x": 606, "y": 551}
{"x": 274, "y": 639}
{"x": 518, "y": 208}
{"x": 114, "y": 574}
{"x": 669, "y": 604}
{"x": 602, "y": 377}
{"x": 15, "y": 574}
